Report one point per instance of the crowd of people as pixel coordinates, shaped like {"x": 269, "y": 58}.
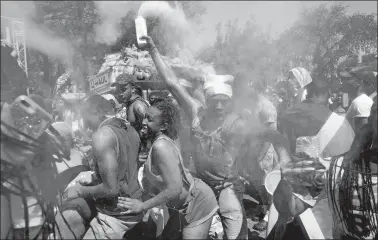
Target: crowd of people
{"x": 172, "y": 165}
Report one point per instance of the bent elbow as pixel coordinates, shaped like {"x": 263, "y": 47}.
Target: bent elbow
{"x": 175, "y": 192}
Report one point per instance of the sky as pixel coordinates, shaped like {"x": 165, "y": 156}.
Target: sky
{"x": 279, "y": 14}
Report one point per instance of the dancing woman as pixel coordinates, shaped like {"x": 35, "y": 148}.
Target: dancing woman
{"x": 168, "y": 181}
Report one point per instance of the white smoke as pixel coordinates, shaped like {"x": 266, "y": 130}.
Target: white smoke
{"x": 111, "y": 13}
{"x": 162, "y": 10}
{"x": 176, "y": 20}
{"x": 37, "y": 36}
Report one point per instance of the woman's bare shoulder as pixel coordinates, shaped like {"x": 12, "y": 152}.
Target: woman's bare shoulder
{"x": 163, "y": 148}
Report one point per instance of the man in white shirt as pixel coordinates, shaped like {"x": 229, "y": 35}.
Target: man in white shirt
{"x": 359, "y": 110}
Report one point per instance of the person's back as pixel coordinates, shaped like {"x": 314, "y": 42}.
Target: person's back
{"x": 115, "y": 146}
{"x": 128, "y": 144}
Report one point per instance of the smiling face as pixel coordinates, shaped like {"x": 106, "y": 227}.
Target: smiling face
{"x": 218, "y": 105}
{"x": 161, "y": 118}
{"x": 153, "y": 123}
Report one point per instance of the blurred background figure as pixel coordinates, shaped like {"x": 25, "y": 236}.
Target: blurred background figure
{"x": 352, "y": 185}
{"x": 298, "y": 79}
{"x": 335, "y": 102}
{"x": 365, "y": 83}
{"x": 112, "y": 99}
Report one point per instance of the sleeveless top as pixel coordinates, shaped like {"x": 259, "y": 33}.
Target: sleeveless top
{"x": 213, "y": 161}
{"x": 128, "y": 144}
{"x": 154, "y": 183}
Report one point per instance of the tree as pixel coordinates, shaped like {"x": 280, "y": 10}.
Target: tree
{"x": 72, "y": 21}
{"x": 246, "y": 53}
{"x": 324, "y": 36}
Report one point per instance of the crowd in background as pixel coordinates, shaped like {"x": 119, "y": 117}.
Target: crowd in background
{"x": 176, "y": 163}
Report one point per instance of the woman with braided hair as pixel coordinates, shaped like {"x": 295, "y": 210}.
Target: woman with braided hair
{"x": 352, "y": 186}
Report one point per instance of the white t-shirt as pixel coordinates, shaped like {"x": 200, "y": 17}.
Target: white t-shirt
{"x": 360, "y": 107}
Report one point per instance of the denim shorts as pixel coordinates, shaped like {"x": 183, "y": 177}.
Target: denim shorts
{"x": 200, "y": 205}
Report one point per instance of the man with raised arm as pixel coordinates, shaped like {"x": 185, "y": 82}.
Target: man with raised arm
{"x": 219, "y": 142}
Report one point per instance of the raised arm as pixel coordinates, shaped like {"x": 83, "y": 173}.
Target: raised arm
{"x": 179, "y": 93}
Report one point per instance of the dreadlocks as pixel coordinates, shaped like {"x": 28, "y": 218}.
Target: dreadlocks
{"x": 352, "y": 193}
{"x": 171, "y": 115}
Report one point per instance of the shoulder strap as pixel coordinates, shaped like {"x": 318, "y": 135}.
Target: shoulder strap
{"x": 187, "y": 176}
